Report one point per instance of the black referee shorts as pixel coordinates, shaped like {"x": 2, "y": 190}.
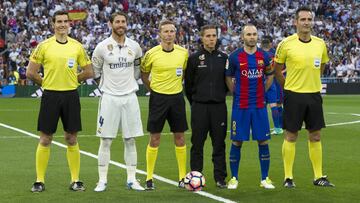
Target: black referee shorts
{"x": 302, "y": 107}
{"x": 59, "y": 104}
{"x": 164, "y": 107}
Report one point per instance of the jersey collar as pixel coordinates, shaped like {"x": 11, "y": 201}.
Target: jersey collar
{"x": 126, "y": 43}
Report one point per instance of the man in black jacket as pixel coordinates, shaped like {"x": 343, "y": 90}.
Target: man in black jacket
{"x": 206, "y": 91}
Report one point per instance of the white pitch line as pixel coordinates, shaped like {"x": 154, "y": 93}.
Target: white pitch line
{"x": 163, "y": 179}
{"x": 188, "y": 133}
{"x": 345, "y": 123}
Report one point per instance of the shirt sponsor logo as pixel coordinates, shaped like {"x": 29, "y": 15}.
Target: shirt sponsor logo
{"x": 123, "y": 63}
{"x": 202, "y": 64}
{"x": 255, "y": 73}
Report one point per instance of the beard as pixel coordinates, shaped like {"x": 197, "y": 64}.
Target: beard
{"x": 120, "y": 32}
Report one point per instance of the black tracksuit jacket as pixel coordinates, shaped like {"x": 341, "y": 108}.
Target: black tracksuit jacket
{"x": 204, "y": 77}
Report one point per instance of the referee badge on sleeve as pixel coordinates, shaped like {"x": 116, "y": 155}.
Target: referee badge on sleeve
{"x": 317, "y": 62}
{"x": 179, "y": 71}
{"x": 71, "y": 63}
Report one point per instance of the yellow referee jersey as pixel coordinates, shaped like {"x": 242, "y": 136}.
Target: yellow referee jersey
{"x": 166, "y": 68}
{"x": 303, "y": 61}
{"x": 60, "y": 62}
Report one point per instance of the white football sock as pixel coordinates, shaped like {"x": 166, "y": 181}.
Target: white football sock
{"x": 130, "y": 156}
{"x": 104, "y": 158}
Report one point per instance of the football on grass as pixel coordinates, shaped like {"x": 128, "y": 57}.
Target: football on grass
{"x": 194, "y": 181}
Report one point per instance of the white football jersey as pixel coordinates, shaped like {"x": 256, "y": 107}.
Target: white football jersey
{"x": 118, "y": 67}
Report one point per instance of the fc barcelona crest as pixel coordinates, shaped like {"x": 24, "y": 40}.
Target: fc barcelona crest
{"x": 260, "y": 63}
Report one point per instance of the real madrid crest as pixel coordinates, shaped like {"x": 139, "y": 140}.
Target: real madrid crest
{"x": 110, "y": 47}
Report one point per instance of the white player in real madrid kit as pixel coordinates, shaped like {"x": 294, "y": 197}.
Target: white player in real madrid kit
{"x": 116, "y": 63}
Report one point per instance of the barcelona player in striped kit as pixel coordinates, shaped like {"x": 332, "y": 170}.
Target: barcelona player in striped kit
{"x": 273, "y": 95}
{"x": 245, "y": 76}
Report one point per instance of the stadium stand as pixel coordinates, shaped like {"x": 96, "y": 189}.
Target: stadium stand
{"x": 25, "y": 23}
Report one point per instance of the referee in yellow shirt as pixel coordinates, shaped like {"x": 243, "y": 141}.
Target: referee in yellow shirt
{"x": 60, "y": 57}
{"x": 166, "y": 63}
{"x": 305, "y": 57}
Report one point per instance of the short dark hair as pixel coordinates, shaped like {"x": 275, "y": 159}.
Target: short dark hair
{"x": 206, "y": 27}
{"x": 266, "y": 39}
{"x": 59, "y": 13}
{"x": 118, "y": 13}
{"x": 302, "y": 8}
{"x": 166, "y": 22}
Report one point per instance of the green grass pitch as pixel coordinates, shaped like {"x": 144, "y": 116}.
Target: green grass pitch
{"x": 17, "y": 161}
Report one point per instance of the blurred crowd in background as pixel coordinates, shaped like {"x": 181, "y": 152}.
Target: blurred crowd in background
{"x": 25, "y": 23}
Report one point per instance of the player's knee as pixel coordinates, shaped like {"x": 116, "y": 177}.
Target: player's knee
{"x": 291, "y": 136}
{"x": 70, "y": 139}
{"x": 263, "y": 142}
{"x": 314, "y": 136}
{"x": 45, "y": 140}
{"x": 154, "y": 140}
{"x": 129, "y": 141}
{"x": 106, "y": 142}
{"x": 237, "y": 143}
{"x": 179, "y": 139}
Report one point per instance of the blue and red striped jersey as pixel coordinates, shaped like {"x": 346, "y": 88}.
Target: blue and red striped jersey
{"x": 271, "y": 52}
{"x": 249, "y": 73}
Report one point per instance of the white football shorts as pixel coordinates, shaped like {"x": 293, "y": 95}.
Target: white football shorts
{"x": 119, "y": 112}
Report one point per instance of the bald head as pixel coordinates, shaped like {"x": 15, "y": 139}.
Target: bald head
{"x": 248, "y": 28}
{"x": 249, "y": 35}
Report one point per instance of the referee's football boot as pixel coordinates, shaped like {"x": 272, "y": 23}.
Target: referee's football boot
{"x": 77, "y": 186}
{"x": 149, "y": 185}
{"x": 38, "y": 187}
{"x": 323, "y": 182}
{"x": 181, "y": 183}
{"x": 135, "y": 186}
{"x": 289, "y": 183}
